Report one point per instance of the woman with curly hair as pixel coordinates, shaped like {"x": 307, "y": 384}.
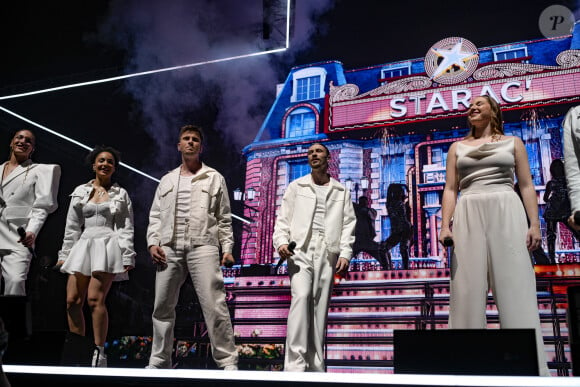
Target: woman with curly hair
{"x": 97, "y": 246}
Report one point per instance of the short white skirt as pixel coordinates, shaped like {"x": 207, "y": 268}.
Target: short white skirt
{"x": 97, "y": 250}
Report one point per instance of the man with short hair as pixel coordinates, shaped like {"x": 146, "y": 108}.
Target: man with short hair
{"x": 189, "y": 222}
{"x": 318, "y": 216}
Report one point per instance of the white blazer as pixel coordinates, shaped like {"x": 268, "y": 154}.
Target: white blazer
{"x": 28, "y": 195}
{"x": 294, "y": 220}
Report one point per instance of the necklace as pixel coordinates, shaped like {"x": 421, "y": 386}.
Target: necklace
{"x": 100, "y": 191}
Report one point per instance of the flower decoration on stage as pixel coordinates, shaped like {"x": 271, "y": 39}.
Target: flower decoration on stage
{"x": 129, "y": 348}
{"x": 451, "y": 60}
{"x": 260, "y": 351}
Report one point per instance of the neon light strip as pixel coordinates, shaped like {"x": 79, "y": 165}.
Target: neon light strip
{"x": 139, "y": 74}
{"x": 73, "y": 141}
{"x": 199, "y": 377}
{"x": 288, "y": 24}
{"x": 136, "y": 75}
{"x": 89, "y": 149}
{"x": 163, "y": 69}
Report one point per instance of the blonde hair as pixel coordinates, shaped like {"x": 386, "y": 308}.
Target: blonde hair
{"x": 496, "y": 117}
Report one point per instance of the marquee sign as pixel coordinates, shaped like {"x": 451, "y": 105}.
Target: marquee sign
{"x": 444, "y": 92}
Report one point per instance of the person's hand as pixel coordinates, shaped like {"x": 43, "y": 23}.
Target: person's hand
{"x": 572, "y": 223}
{"x": 342, "y": 266}
{"x": 228, "y": 260}
{"x": 128, "y": 267}
{"x": 58, "y": 265}
{"x": 157, "y": 255}
{"x": 284, "y": 252}
{"x": 533, "y": 238}
{"x": 445, "y": 234}
{"x": 28, "y": 240}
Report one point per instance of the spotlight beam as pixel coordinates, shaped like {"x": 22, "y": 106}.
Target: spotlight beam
{"x": 89, "y": 149}
{"x": 120, "y": 77}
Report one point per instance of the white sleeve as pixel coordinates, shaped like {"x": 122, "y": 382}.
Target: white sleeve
{"x": 73, "y": 228}
{"x": 45, "y": 196}
{"x": 571, "y": 155}
{"x": 125, "y": 229}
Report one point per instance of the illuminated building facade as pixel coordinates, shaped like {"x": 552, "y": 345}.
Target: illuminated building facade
{"x": 394, "y": 122}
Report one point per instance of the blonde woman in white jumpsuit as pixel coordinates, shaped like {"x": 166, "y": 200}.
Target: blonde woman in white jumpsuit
{"x": 491, "y": 236}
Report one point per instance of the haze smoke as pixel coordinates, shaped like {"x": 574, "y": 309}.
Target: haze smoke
{"x": 230, "y": 98}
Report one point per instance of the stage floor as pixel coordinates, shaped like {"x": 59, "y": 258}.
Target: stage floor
{"x": 20, "y": 375}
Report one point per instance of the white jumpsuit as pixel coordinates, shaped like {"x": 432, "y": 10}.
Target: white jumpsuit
{"x": 489, "y": 231}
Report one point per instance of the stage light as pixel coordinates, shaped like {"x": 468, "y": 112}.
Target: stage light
{"x": 89, "y": 149}
{"x": 173, "y": 68}
{"x": 121, "y": 77}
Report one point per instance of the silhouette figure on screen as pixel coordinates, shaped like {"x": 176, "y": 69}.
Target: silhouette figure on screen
{"x": 401, "y": 227}
{"x": 557, "y": 206}
{"x": 365, "y": 233}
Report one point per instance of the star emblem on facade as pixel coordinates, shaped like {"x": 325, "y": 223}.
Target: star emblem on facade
{"x": 452, "y": 57}
{"x": 451, "y": 60}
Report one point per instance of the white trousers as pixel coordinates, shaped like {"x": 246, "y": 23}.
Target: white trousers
{"x": 14, "y": 259}
{"x": 202, "y": 263}
{"x": 489, "y": 231}
{"x": 311, "y": 282}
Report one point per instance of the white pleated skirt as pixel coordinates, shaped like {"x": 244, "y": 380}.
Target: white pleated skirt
{"x": 97, "y": 250}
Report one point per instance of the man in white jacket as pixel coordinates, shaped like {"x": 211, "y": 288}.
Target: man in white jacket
{"x": 318, "y": 216}
{"x": 189, "y": 221}
{"x": 28, "y": 194}
{"x": 572, "y": 160}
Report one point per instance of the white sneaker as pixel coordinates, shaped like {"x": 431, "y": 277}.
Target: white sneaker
{"x": 231, "y": 367}
{"x": 102, "y": 361}
{"x": 150, "y": 367}
{"x": 99, "y": 358}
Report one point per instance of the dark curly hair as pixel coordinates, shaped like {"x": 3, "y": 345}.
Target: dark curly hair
{"x": 92, "y": 156}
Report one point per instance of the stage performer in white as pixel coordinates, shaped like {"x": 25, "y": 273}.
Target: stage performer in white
{"x": 28, "y": 194}
{"x": 318, "y": 218}
{"x": 98, "y": 246}
{"x": 489, "y": 228}
{"x": 189, "y": 221}
{"x": 572, "y": 161}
